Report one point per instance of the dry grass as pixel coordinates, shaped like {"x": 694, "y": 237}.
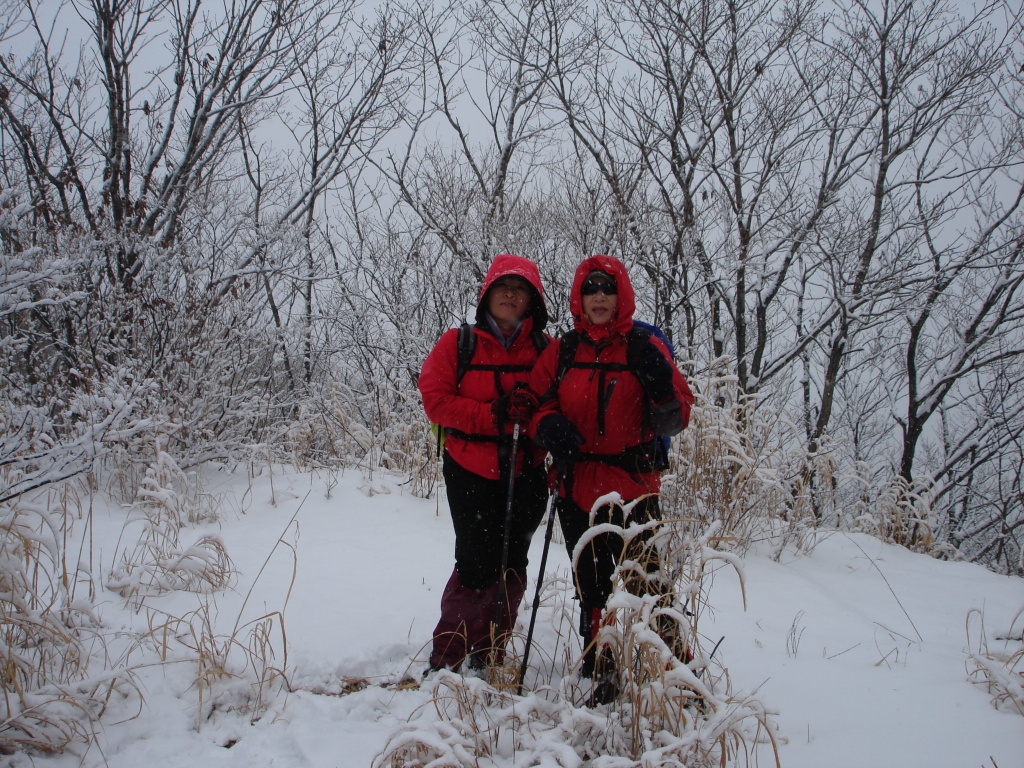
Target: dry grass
{"x": 57, "y": 670}
{"x": 240, "y": 672}
{"x": 165, "y": 504}
{"x": 900, "y": 515}
{"x": 998, "y": 666}
{"x": 728, "y": 470}
{"x": 669, "y": 712}
{"x": 49, "y": 640}
{"x": 383, "y": 430}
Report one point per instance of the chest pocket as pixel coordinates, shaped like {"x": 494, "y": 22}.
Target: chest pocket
{"x": 605, "y": 371}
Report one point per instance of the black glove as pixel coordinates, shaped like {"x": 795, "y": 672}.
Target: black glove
{"x": 517, "y": 405}
{"x": 560, "y": 437}
{"x": 666, "y": 419}
{"x": 654, "y": 371}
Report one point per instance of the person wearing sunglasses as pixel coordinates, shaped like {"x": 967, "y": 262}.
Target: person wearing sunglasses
{"x": 607, "y": 390}
{"x": 473, "y": 386}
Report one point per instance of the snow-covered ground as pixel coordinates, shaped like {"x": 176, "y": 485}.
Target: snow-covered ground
{"x": 859, "y": 649}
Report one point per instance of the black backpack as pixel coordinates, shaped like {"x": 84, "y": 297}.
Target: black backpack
{"x": 466, "y": 348}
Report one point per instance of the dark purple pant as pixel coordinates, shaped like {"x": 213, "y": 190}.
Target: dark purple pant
{"x": 469, "y": 622}
{"x": 469, "y": 605}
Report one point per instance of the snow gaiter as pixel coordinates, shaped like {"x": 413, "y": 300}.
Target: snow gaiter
{"x": 486, "y": 641}
{"x": 461, "y": 609}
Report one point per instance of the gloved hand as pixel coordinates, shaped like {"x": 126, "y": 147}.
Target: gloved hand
{"x": 654, "y": 371}
{"x": 560, "y": 436}
{"x": 517, "y": 405}
{"x": 666, "y": 419}
{"x": 521, "y": 403}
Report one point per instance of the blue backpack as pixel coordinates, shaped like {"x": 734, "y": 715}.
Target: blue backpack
{"x": 664, "y": 443}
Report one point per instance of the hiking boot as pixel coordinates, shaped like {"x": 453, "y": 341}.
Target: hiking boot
{"x": 476, "y": 664}
{"x": 673, "y": 635}
{"x": 432, "y": 669}
{"x": 603, "y": 672}
{"x": 696, "y": 702}
{"x": 597, "y": 665}
{"x": 605, "y": 692}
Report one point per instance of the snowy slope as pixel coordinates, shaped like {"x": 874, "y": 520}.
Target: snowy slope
{"x": 858, "y": 648}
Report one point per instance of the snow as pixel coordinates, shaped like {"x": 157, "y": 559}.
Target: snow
{"x": 858, "y": 648}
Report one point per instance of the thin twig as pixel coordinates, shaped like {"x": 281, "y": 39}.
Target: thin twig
{"x": 887, "y": 584}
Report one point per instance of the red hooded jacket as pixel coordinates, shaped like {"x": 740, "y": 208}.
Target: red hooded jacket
{"x": 465, "y": 406}
{"x": 577, "y": 394}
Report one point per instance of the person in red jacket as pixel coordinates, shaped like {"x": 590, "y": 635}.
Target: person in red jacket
{"x": 479, "y": 405}
{"x": 607, "y": 391}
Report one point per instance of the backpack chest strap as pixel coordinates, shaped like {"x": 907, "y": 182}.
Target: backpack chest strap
{"x": 500, "y": 368}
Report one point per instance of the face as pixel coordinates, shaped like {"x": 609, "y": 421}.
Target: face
{"x": 600, "y": 298}
{"x": 508, "y": 300}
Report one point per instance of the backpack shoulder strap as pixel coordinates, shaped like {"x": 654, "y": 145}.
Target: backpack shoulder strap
{"x": 540, "y": 341}
{"x": 566, "y": 352}
{"x": 567, "y": 344}
{"x": 466, "y": 347}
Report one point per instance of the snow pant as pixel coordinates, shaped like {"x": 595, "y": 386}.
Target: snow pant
{"x": 469, "y": 622}
{"x": 603, "y": 553}
{"x": 595, "y": 565}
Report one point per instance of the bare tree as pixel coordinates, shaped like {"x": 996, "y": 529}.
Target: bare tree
{"x": 227, "y": 219}
{"x": 481, "y": 134}
{"x": 917, "y": 74}
{"x": 150, "y": 153}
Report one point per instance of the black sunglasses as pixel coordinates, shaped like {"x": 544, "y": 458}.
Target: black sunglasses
{"x": 591, "y": 287}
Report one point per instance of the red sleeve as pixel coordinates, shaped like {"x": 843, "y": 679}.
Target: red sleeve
{"x": 541, "y": 380}
{"x": 439, "y": 391}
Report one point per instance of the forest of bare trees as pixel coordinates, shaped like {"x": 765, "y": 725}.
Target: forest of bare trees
{"x": 237, "y": 228}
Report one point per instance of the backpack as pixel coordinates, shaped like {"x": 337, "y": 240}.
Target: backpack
{"x": 640, "y": 334}
{"x": 466, "y": 346}
{"x": 663, "y": 442}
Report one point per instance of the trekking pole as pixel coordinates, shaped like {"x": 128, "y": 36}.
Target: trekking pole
{"x": 506, "y": 535}
{"x": 540, "y": 581}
